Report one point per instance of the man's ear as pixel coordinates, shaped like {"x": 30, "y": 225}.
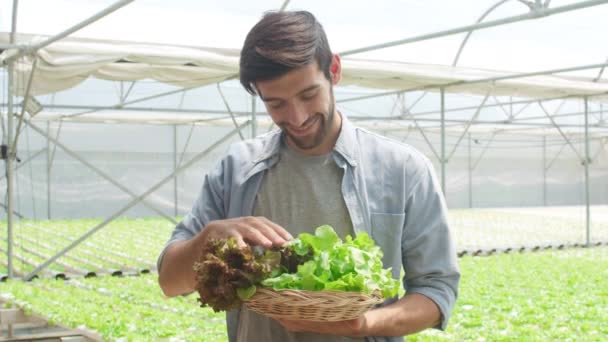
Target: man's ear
{"x": 335, "y": 69}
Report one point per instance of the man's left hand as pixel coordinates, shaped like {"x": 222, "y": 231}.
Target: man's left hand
{"x": 353, "y": 328}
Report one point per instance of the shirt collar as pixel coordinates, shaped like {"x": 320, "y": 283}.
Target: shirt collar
{"x": 346, "y": 145}
{"x": 272, "y": 146}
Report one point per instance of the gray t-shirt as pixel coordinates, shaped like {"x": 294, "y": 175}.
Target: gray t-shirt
{"x": 299, "y": 193}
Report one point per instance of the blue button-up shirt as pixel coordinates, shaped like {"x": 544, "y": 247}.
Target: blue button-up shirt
{"x": 390, "y": 190}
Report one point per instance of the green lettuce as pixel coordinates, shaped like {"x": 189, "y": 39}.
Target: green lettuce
{"x": 349, "y": 265}
{"x": 227, "y": 274}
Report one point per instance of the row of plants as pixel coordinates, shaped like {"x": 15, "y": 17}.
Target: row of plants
{"x": 130, "y": 245}
{"x": 545, "y": 296}
{"x": 133, "y": 244}
{"x": 118, "y": 308}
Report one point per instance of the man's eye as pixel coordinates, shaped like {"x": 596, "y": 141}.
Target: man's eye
{"x": 275, "y": 104}
{"x": 309, "y": 95}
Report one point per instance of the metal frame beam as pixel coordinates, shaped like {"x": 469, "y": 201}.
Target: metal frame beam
{"x": 25, "y": 161}
{"x": 466, "y": 129}
{"x": 33, "y": 48}
{"x": 244, "y": 114}
{"x": 133, "y": 202}
{"x": 122, "y": 104}
{"x": 535, "y": 12}
{"x": 96, "y": 170}
{"x": 481, "y": 18}
{"x": 405, "y": 113}
{"x": 236, "y": 124}
{"x": 488, "y": 80}
{"x": 562, "y": 132}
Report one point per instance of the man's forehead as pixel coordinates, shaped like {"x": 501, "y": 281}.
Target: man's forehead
{"x": 291, "y": 83}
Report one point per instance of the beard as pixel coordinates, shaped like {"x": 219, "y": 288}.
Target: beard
{"x": 326, "y": 122}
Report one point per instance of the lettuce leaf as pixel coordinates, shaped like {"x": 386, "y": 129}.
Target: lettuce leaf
{"x": 350, "y": 265}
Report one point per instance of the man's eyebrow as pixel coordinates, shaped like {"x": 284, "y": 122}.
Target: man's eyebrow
{"x": 307, "y": 89}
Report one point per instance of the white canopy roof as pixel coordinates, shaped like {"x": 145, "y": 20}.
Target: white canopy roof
{"x": 68, "y": 62}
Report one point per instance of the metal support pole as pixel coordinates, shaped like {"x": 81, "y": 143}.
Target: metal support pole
{"x": 470, "y": 175}
{"x": 544, "y": 170}
{"x": 174, "y": 169}
{"x": 48, "y": 171}
{"x": 586, "y": 163}
{"x": 8, "y": 162}
{"x": 10, "y": 153}
{"x": 443, "y": 161}
{"x": 26, "y": 96}
{"x": 284, "y": 5}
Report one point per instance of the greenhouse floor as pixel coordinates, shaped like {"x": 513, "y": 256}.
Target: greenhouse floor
{"x": 506, "y": 229}
{"x": 16, "y": 325}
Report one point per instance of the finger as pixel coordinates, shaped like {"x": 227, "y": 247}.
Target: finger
{"x": 240, "y": 242}
{"x": 282, "y": 232}
{"x": 253, "y": 235}
{"x": 265, "y": 227}
{"x": 233, "y": 228}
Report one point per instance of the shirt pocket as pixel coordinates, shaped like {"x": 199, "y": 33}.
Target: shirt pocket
{"x": 387, "y": 231}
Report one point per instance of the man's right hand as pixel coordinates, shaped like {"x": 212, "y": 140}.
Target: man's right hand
{"x": 247, "y": 230}
{"x": 176, "y": 275}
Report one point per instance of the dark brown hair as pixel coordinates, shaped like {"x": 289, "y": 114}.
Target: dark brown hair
{"x": 281, "y": 42}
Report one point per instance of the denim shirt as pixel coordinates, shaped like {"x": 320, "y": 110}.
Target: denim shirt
{"x": 390, "y": 190}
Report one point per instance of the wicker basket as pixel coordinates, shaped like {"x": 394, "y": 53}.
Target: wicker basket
{"x": 312, "y": 305}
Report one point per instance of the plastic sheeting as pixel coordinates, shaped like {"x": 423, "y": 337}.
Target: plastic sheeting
{"x": 68, "y": 62}
{"x": 511, "y": 174}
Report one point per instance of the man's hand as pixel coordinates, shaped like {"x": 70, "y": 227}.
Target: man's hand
{"x": 410, "y": 314}
{"x": 252, "y": 230}
{"x": 352, "y": 328}
{"x": 176, "y": 275}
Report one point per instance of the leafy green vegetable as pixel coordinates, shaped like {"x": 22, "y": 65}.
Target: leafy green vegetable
{"x": 228, "y": 274}
{"x": 352, "y": 265}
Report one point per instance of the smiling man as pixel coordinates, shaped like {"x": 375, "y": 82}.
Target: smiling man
{"x": 319, "y": 169}
{"x": 301, "y": 103}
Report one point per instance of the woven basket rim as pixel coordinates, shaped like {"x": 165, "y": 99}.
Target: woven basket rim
{"x": 322, "y": 305}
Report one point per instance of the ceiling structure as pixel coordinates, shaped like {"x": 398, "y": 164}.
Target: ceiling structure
{"x": 385, "y": 92}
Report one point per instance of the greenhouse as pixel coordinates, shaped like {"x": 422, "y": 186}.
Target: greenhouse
{"x": 113, "y": 112}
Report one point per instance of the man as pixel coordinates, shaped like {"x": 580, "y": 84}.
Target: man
{"x": 319, "y": 169}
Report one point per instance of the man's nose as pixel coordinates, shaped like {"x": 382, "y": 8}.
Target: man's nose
{"x": 296, "y": 114}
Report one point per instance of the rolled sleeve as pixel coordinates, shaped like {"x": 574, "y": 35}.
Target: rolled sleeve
{"x": 429, "y": 255}
{"x": 207, "y": 207}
